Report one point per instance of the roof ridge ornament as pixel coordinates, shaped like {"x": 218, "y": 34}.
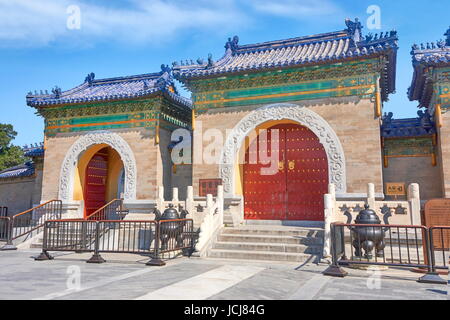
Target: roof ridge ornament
{"x": 232, "y": 44}
{"x": 90, "y": 78}
{"x": 210, "y": 61}
{"x": 57, "y": 92}
{"x": 354, "y": 29}
{"x": 165, "y": 68}
{"x": 447, "y": 34}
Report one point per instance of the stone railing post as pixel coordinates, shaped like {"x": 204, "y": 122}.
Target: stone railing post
{"x": 160, "y": 200}
{"x": 371, "y": 195}
{"x": 190, "y": 200}
{"x": 328, "y": 213}
{"x": 414, "y": 203}
{"x": 175, "y": 195}
{"x": 220, "y": 202}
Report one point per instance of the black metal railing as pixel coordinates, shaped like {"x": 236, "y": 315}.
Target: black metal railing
{"x": 4, "y": 228}
{"x": 439, "y": 237}
{"x": 113, "y": 210}
{"x": 24, "y": 223}
{"x": 3, "y": 211}
{"x": 150, "y": 237}
{"x": 401, "y": 245}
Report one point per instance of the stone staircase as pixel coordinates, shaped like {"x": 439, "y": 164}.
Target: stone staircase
{"x": 268, "y": 242}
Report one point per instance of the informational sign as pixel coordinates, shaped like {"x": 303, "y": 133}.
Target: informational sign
{"x": 437, "y": 213}
{"x": 395, "y": 189}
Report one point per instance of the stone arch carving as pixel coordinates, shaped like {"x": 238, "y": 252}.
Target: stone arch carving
{"x": 66, "y": 178}
{"x": 284, "y": 111}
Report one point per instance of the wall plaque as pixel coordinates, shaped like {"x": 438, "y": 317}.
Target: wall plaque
{"x": 395, "y": 189}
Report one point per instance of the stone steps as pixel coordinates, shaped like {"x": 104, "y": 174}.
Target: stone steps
{"x": 258, "y": 255}
{"x": 258, "y": 238}
{"x": 272, "y": 247}
{"x": 269, "y": 243}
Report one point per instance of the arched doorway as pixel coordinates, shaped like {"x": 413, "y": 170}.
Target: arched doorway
{"x": 95, "y": 182}
{"x": 294, "y": 188}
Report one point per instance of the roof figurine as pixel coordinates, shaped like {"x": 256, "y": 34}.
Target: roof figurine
{"x": 90, "y": 78}
{"x": 232, "y": 44}
{"x": 447, "y": 34}
{"x": 354, "y": 29}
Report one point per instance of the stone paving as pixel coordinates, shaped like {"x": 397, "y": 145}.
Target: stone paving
{"x": 68, "y": 276}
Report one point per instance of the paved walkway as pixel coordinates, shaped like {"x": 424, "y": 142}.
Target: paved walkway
{"x": 68, "y": 276}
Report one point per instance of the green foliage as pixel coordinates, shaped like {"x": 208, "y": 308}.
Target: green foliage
{"x": 10, "y": 155}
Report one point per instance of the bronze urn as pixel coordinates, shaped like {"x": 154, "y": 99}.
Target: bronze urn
{"x": 170, "y": 229}
{"x": 368, "y": 238}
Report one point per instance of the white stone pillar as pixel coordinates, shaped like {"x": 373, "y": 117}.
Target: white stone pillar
{"x": 175, "y": 195}
{"x": 190, "y": 200}
{"x": 414, "y": 203}
{"x": 332, "y": 190}
{"x": 160, "y": 200}
{"x": 371, "y": 196}
{"x": 328, "y": 213}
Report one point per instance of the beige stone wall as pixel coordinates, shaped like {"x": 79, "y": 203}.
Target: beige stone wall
{"x": 141, "y": 142}
{"x": 17, "y": 194}
{"x": 444, "y": 153}
{"x": 352, "y": 119}
{"x": 20, "y": 194}
{"x": 415, "y": 170}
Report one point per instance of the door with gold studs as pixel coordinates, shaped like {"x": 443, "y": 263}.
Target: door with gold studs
{"x": 295, "y": 189}
{"x": 95, "y": 182}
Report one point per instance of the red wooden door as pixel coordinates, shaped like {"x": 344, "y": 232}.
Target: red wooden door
{"x": 95, "y": 182}
{"x": 307, "y": 174}
{"x": 294, "y": 191}
{"x": 265, "y": 190}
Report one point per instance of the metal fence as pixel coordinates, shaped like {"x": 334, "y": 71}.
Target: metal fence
{"x": 113, "y": 210}
{"x": 150, "y": 237}
{"x": 440, "y": 246}
{"x": 4, "y": 223}
{"x": 24, "y": 223}
{"x": 385, "y": 245}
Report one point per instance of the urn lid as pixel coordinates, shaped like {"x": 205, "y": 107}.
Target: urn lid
{"x": 170, "y": 213}
{"x": 367, "y": 216}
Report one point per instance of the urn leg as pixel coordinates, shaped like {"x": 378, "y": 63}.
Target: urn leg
{"x": 357, "y": 246}
{"x": 380, "y": 248}
{"x": 368, "y": 246}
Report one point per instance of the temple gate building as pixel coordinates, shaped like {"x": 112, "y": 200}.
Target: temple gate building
{"x": 316, "y": 102}
{"x": 324, "y": 93}
{"x": 109, "y": 138}
{"x": 431, "y": 88}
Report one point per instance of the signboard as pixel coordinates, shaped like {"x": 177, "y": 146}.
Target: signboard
{"x": 395, "y": 189}
{"x": 437, "y": 213}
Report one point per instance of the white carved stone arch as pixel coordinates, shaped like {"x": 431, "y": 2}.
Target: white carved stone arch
{"x": 283, "y": 111}
{"x": 66, "y": 180}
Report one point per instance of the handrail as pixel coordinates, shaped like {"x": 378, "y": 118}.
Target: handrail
{"x": 34, "y": 208}
{"x": 24, "y": 223}
{"x": 91, "y": 216}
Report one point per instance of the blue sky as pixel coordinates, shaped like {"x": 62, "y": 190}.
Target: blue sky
{"x": 117, "y": 38}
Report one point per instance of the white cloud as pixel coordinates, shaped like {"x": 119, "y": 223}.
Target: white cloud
{"x": 39, "y": 22}
{"x": 299, "y": 9}
{"x": 42, "y": 22}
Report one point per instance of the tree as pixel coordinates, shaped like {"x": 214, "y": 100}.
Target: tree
{"x": 10, "y": 155}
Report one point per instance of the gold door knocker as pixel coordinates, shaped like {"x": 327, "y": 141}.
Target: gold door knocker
{"x": 281, "y": 165}
{"x": 291, "y": 165}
